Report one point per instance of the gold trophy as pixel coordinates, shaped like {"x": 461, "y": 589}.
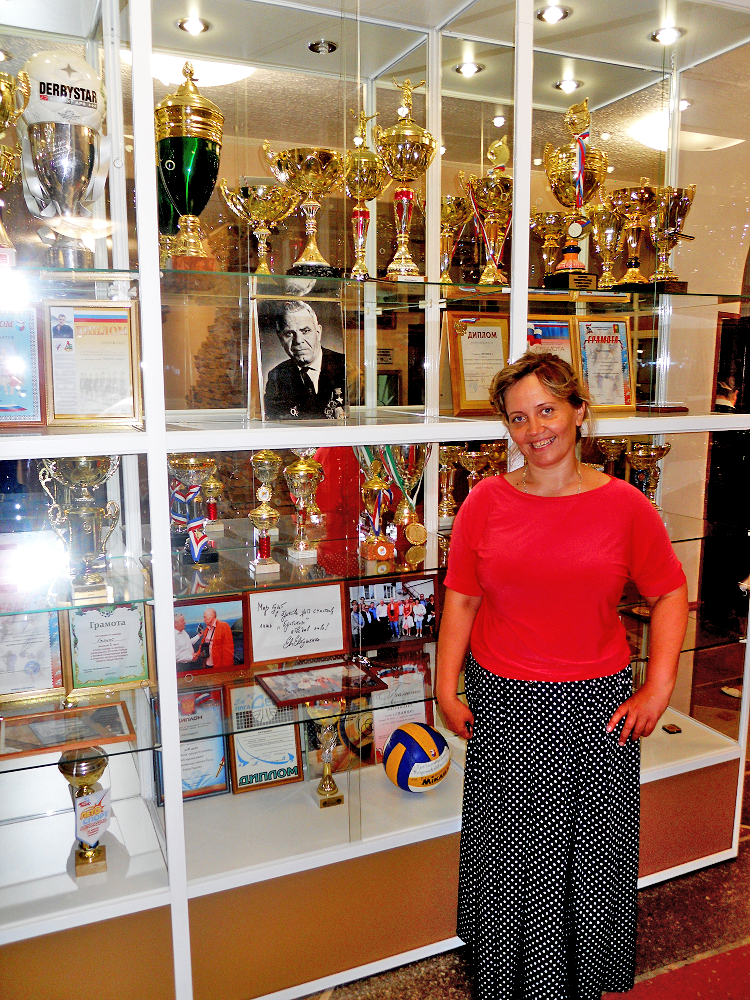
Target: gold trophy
{"x": 449, "y": 454}
{"x": 405, "y": 464}
{"x": 187, "y": 507}
{"x": 606, "y": 230}
{"x": 497, "y": 456}
{"x": 665, "y": 229}
{"x": 491, "y": 199}
{"x": 644, "y": 461}
{"x": 212, "y": 492}
{"x": 635, "y": 206}
{"x": 302, "y": 478}
{"x": 473, "y": 462}
{"x": 326, "y": 715}
{"x": 611, "y": 448}
{"x": 311, "y": 172}
{"x": 454, "y": 214}
{"x": 313, "y": 510}
{"x": 549, "y": 228}
{"x": 408, "y": 150}
{"x": 365, "y": 178}
{"x": 376, "y": 496}
{"x": 575, "y": 172}
{"x": 11, "y": 89}
{"x": 260, "y": 206}
{"x": 78, "y": 521}
{"x": 83, "y": 769}
{"x": 266, "y": 467}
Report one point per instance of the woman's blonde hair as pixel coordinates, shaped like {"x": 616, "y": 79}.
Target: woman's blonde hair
{"x": 553, "y": 373}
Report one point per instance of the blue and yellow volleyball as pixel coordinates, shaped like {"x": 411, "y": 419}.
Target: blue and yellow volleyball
{"x": 416, "y": 757}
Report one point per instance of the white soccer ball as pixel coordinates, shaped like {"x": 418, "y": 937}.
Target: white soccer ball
{"x": 64, "y": 88}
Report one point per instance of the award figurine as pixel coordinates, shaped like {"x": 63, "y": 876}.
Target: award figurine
{"x": 365, "y": 178}
{"x": 260, "y": 206}
{"x": 665, "y": 230}
{"x": 449, "y": 455}
{"x": 189, "y": 131}
{"x": 82, "y": 769}
{"x": 376, "y": 496}
{"x": 491, "y": 199}
{"x": 187, "y": 513}
{"x": 311, "y": 172}
{"x": 326, "y": 715}
{"x": 635, "y": 206}
{"x": 14, "y": 96}
{"x": 408, "y": 150}
{"x": 575, "y": 173}
{"x": 78, "y": 520}
{"x": 302, "y": 478}
{"x": 405, "y": 464}
{"x": 644, "y": 460}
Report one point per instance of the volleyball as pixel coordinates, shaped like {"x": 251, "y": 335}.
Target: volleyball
{"x": 416, "y": 757}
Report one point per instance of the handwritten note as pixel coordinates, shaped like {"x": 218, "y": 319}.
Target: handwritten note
{"x": 292, "y": 624}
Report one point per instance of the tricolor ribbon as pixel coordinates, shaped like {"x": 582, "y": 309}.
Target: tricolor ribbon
{"x": 487, "y": 242}
{"x": 181, "y": 497}
{"x": 386, "y": 454}
{"x": 377, "y": 514}
{"x": 580, "y": 166}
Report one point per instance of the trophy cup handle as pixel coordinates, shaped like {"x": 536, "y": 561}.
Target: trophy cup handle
{"x": 420, "y": 202}
{"x": 547, "y": 155}
{"x": 267, "y": 151}
{"x": 112, "y": 511}
{"x": 377, "y": 132}
{"x": 56, "y": 518}
{"x": 462, "y": 181}
{"x": 24, "y": 86}
{"x": 233, "y": 200}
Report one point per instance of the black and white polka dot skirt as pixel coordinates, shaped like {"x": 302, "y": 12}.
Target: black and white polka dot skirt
{"x": 549, "y": 842}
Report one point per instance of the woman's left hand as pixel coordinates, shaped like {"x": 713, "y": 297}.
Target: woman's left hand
{"x": 641, "y": 711}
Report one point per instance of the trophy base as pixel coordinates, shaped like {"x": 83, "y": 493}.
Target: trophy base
{"x": 378, "y": 567}
{"x": 662, "y": 408}
{"x": 184, "y": 262}
{"x": 214, "y": 528}
{"x": 568, "y": 281}
{"x": 327, "y": 799}
{"x": 91, "y": 865}
{"x": 446, "y": 523}
{"x": 264, "y": 567}
{"x": 69, "y": 254}
{"x": 669, "y": 286}
{"x": 84, "y": 592}
{"x": 314, "y": 271}
{"x": 303, "y": 555}
{"x": 206, "y": 558}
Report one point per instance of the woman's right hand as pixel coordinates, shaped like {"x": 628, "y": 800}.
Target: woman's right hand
{"x": 457, "y": 716}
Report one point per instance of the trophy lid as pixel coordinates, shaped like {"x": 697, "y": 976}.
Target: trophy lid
{"x": 188, "y": 113}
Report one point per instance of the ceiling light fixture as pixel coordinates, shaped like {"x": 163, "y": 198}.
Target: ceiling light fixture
{"x": 498, "y": 121}
{"x": 553, "y": 13}
{"x": 469, "y": 68}
{"x": 610, "y": 170}
{"x": 193, "y": 25}
{"x": 442, "y": 150}
{"x": 5, "y": 56}
{"x": 605, "y": 136}
{"x": 568, "y": 86}
{"x": 685, "y": 104}
{"x": 537, "y": 162}
{"x": 667, "y": 35}
{"x": 167, "y": 67}
{"x": 322, "y": 47}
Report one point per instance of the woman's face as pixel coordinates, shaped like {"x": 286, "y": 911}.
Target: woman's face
{"x": 543, "y": 426}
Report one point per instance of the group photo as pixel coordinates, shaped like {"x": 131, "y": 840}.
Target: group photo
{"x": 392, "y": 611}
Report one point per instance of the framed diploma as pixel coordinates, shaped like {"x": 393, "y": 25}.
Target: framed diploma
{"x": 300, "y": 624}
{"x": 264, "y": 745}
{"x": 478, "y": 349}
{"x": 203, "y": 745}
{"x": 93, "y": 363}
{"x": 330, "y": 681}
{"x": 30, "y": 660}
{"x": 550, "y": 335}
{"x": 603, "y": 353}
{"x": 108, "y": 647}
{"x": 66, "y": 729}
{"x": 21, "y": 369}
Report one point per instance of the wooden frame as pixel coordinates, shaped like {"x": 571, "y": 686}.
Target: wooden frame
{"x": 203, "y": 742}
{"x": 37, "y": 653}
{"x": 65, "y": 729}
{"x": 382, "y": 637}
{"x": 604, "y": 358}
{"x": 22, "y": 383}
{"x": 264, "y": 740}
{"x": 326, "y": 682}
{"x": 122, "y": 636}
{"x": 473, "y": 368}
{"x": 194, "y": 617}
{"x": 552, "y": 335}
{"x": 303, "y": 623}
{"x": 95, "y": 338}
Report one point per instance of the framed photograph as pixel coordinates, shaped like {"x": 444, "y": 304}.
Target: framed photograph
{"x": 264, "y": 745}
{"x": 300, "y": 624}
{"x": 550, "y": 335}
{"x": 323, "y": 683}
{"x": 93, "y": 363}
{"x": 30, "y": 658}
{"x": 21, "y": 369}
{"x": 203, "y": 744}
{"x": 108, "y": 647}
{"x": 604, "y": 355}
{"x": 394, "y": 610}
{"x": 477, "y": 349}
{"x": 407, "y": 699}
{"x": 66, "y": 729}
{"x": 210, "y": 636}
{"x": 302, "y": 363}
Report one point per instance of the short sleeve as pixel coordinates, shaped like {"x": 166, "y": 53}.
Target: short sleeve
{"x": 655, "y": 569}
{"x": 462, "y": 574}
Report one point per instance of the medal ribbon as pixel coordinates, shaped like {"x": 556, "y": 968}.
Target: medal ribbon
{"x": 386, "y": 454}
{"x": 183, "y": 496}
{"x": 580, "y": 166}
{"x": 378, "y": 504}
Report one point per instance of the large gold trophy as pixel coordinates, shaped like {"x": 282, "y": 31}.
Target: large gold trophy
{"x": 449, "y": 456}
{"x": 408, "y": 150}
{"x": 665, "y": 229}
{"x": 365, "y": 178}
{"x": 575, "y": 172}
{"x": 491, "y": 199}
{"x": 312, "y": 172}
{"x": 91, "y": 803}
{"x": 549, "y": 227}
{"x": 78, "y": 521}
{"x": 377, "y": 496}
{"x": 260, "y": 206}
{"x": 635, "y": 205}
{"x": 14, "y": 96}
{"x": 405, "y": 464}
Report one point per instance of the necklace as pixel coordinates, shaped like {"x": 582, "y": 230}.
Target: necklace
{"x": 580, "y": 478}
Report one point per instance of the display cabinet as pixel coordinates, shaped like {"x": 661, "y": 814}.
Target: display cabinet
{"x": 157, "y": 315}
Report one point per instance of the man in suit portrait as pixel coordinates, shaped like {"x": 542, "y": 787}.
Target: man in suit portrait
{"x": 312, "y": 383}
{"x": 62, "y": 328}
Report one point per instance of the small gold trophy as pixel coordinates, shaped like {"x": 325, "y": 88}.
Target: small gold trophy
{"x": 405, "y": 464}
{"x": 266, "y": 465}
{"x": 311, "y": 172}
{"x": 408, "y": 150}
{"x": 644, "y": 461}
{"x": 83, "y": 769}
{"x": 326, "y": 715}
{"x": 260, "y": 206}
{"x": 549, "y": 228}
{"x": 497, "y": 456}
{"x": 575, "y": 172}
{"x": 365, "y": 177}
{"x": 302, "y": 478}
{"x": 449, "y": 454}
{"x": 635, "y": 206}
{"x": 473, "y": 462}
{"x": 376, "y": 496}
{"x": 192, "y": 472}
{"x": 454, "y": 214}
{"x": 212, "y": 491}
{"x": 611, "y": 448}
{"x": 14, "y": 96}
{"x": 606, "y": 230}
{"x": 491, "y": 199}
{"x": 665, "y": 229}
{"x": 78, "y": 521}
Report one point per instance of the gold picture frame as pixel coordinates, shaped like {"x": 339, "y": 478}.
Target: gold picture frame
{"x": 91, "y": 665}
{"x": 478, "y": 345}
{"x": 603, "y": 355}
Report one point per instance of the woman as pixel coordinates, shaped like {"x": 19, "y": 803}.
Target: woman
{"x": 538, "y": 561}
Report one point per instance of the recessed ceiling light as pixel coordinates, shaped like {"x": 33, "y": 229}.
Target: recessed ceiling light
{"x": 442, "y": 150}
{"x": 553, "y": 13}
{"x": 498, "y": 121}
{"x": 5, "y": 55}
{"x": 667, "y": 35}
{"x": 537, "y": 162}
{"x": 685, "y": 104}
{"x": 322, "y": 47}
{"x": 568, "y": 86}
{"x": 469, "y": 68}
{"x": 610, "y": 170}
{"x": 193, "y": 25}
{"x": 605, "y": 136}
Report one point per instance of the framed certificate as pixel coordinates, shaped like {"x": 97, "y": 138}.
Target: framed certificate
{"x": 203, "y": 745}
{"x": 66, "y": 729}
{"x": 21, "y": 369}
{"x": 108, "y": 647}
{"x": 30, "y": 660}
{"x": 478, "y": 349}
{"x": 93, "y": 364}
{"x": 330, "y": 681}
{"x": 300, "y": 624}
{"x": 604, "y": 355}
{"x": 264, "y": 745}
{"x": 550, "y": 335}
{"x": 408, "y": 698}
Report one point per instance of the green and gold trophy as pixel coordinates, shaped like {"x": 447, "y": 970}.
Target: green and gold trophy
{"x": 405, "y": 463}
{"x": 644, "y": 459}
{"x": 14, "y": 96}
{"x": 78, "y": 520}
{"x": 491, "y": 199}
{"x": 83, "y": 769}
{"x": 575, "y": 173}
{"x": 260, "y": 206}
{"x": 635, "y": 205}
{"x": 365, "y": 178}
{"x": 189, "y": 130}
{"x": 408, "y": 150}
{"x": 665, "y": 229}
